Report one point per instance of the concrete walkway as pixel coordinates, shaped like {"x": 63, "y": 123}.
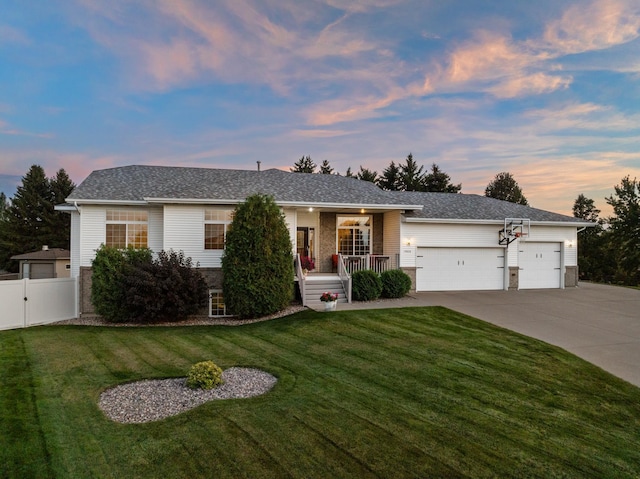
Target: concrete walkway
{"x": 598, "y": 323}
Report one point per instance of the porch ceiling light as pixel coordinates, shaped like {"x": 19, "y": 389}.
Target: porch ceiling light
{"x": 362, "y": 211}
{"x": 310, "y": 209}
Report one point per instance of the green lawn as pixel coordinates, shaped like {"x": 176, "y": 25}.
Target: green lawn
{"x": 414, "y": 392}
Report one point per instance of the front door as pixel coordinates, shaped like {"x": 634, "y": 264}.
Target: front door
{"x": 305, "y": 237}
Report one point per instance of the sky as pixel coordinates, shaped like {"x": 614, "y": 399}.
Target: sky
{"x": 547, "y": 90}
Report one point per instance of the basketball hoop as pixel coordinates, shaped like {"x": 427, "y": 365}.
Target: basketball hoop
{"x": 518, "y": 234}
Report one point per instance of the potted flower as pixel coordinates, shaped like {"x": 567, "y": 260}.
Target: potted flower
{"x": 330, "y": 300}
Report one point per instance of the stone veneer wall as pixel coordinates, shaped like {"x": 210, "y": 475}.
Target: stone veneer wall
{"x": 514, "y": 277}
{"x": 213, "y": 277}
{"x": 412, "y": 274}
{"x": 327, "y": 242}
{"x": 571, "y": 276}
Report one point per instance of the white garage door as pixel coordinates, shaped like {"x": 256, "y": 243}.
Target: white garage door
{"x": 459, "y": 269}
{"x": 539, "y": 265}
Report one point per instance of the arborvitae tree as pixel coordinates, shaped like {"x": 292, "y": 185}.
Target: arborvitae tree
{"x": 325, "y": 168}
{"x": 411, "y": 175}
{"x": 438, "y": 181}
{"x": 391, "y": 178}
{"x": 257, "y": 263}
{"x": 349, "y": 174}
{"x": 592, "y": 262}
{"x": 367, "y": 175}
{"x": 304, "y": 165}
{"x": 625, "y": 229}
{"x": 504, "y": 187}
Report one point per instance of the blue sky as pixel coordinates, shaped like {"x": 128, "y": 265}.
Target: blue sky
{"x": 547, "y": 90}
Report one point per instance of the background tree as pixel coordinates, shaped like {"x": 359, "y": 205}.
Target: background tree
{"x": 325, "y": 168}
{"x": 391, "y": 178}
{"x": 625, "y": 229}
{"x": 349, "y": 174}
{"x": 411, "y": 176}
{"x": 504, "y": 187}
{"x": 30, "y": 221}
{"x": 593, "y": 263}
{"x": 304, "y": 165}
{"x": 257, "y": 263}
{"x": 438, "y": 181}
{"x": 4, "y": 206}
{"x": 367, "y": 175}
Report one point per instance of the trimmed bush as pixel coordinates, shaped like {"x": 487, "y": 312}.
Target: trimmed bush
{"x": 366, "y": 285}
{"x": 130, "y": 286}
{"x": 169, "y": 288}
{"x": 395, "y": 283}
{"x": 204, "y": 375}
{"x": 257, "y": 263}
{"x": 107, "y": 280}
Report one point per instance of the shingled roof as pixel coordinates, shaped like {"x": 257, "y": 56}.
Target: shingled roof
{"x": 44, "y": 254}
{"x": 147, "y": 183}
{"x": 141, "y": 184}
{"x": 453, "y": 206}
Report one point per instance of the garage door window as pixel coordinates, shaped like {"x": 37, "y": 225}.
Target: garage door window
{"x": 354, "y": 235}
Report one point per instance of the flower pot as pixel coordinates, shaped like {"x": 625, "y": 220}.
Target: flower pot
{"x": 330, "y": 305}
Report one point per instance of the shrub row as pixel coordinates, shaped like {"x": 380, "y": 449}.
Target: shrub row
{"x": 368, "y": 285}
{"x": 131, "y": 286}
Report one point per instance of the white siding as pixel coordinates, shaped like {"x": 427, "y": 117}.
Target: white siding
{"x": 75, "y": 244}
{"x": 184, "y": 231}
{"x": 290, "y": 219}
{"x": 92, "y": 231}
{"x": 391, "y": 236}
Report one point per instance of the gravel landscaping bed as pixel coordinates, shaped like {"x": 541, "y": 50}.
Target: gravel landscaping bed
{"x": 152, "y": 400}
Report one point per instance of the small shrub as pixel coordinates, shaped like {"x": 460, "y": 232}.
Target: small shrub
{"x": 395, "y": 283}
{"x": 366, "y": 285}
{"x": 204, "y": 375}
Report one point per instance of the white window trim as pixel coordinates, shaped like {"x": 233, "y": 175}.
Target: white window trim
{"x": 127, "y": 223}
{"x": 225, "y": 223}
{"x": 370, "y": 228}
{"x": 224, "y": 315}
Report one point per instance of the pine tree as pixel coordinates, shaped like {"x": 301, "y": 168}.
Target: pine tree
{"x": 304, "y": 165}
{"x": 367, "y": 175}
{"x": 30, "y": 221}
{"x": 505, "y": 187}
{"x": 391, "y": 178}
{"x": 325, "y": 168}
{"x": 593, "y": 262}
{"x": 349, "y": 174}
{"x": 438, "y": 181}
{"x": 625, "y": 229}
{"x": 411, "y": 177}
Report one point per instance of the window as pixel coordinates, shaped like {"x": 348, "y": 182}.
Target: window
{"x": 127, "y": 228}
{"x": 354, "y": 235}
{"x": 216, "y": 303}
{"x": 216, "y": 225}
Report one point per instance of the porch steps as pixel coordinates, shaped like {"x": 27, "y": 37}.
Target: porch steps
{"x": 315, "y": 285}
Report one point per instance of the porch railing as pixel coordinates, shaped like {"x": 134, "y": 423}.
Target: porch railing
{"x": 375, "y": 262}
{"x": 345, "y": 277}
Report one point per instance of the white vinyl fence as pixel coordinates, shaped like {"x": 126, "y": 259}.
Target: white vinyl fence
{"x": 28, "y": 302}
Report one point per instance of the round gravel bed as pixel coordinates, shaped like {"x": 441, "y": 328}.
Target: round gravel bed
{"x": 152, "y": 400}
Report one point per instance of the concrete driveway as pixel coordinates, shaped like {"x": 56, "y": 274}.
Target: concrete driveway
{"x": 598, "y": 323}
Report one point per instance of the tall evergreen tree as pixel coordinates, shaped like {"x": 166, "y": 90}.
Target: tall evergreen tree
{"x": 391, "y": 178}
{"x": 4, "y": 205}
{"x": 592, "y": 262}
{"x": 440, "y": 182}
{"x": 30, "y": 220}
{"x": 304, "y": 165}
{"x": 411, "y": 176}
{"x": 625, "y": 229}
{"x": 349, "y": 174}
{"x": 325, "y": 168}
{"x": 367, "y": 175}
{"x": 505, "y": 187}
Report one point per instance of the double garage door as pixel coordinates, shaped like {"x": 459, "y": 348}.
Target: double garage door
{"x": 459, "y": 269}
{"x": 466, "y": 269}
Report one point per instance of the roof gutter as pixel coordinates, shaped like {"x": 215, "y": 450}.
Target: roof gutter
{"x": 494, "y": 222}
